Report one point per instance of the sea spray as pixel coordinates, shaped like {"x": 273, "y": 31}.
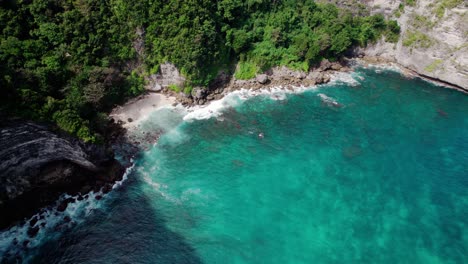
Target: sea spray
{"x": 51, "y": 222}
{"x": 380, "y": 180}
{"x": 235, "y": 98}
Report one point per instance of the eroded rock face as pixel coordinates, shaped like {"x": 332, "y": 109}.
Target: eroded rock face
{"x": 432, "y": 41}
{"x": 37, "y": 166}
{"x": 168, "y": 75}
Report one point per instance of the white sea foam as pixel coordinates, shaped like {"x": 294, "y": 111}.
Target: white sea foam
{"x": 117, "y": 184}
{"x": 159, "y": 188}
{"x": 352, "y": 78}
{"x": 51, "y": 222}
{"x": 387, "y": 67}
{"x": 215, "y": 108}
{"x": 328, "y": 100}
{"x": 235, "y": 98}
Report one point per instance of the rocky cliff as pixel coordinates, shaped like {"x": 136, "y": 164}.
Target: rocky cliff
{"x": 38, "y": 165}
{"x": 433, "y": 40}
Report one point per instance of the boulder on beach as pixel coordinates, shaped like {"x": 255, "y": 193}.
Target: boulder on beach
{"x": 325, "y": 65}
{"x": 336, "y": 66}
{"x": 317, "y": 77}
{"x": 262, "y": 78}
{"x": 198, "y": 93}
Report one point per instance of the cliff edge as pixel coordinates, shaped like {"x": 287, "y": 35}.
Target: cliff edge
{"x": 433, "y": 40}
{"x": 39, "y": 165}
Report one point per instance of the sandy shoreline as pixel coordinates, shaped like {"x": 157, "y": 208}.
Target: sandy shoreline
{"x": 138, "y": 109}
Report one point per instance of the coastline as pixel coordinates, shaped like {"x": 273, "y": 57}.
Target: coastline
{"x": 140, "y": 108}
{"x": 376, "y": 61}
{"x": 131, "y": 114}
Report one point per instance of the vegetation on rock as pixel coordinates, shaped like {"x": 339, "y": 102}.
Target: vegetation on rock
{"x": 433, "y": 66}
{"x": 417, "y": 39}
{"x": 68, "y": 61}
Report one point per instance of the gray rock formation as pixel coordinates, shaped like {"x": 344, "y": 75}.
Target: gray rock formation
{"x": 433, "y": 40}
{"x": 168, "y": 75}
{"x": 262, "y": 78}
{"x": 37, "y": 166}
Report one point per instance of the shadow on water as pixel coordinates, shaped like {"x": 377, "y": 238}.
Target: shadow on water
{"x": 128, "y": 231}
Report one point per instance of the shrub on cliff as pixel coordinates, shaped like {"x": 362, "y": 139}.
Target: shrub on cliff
{"x": 69, "y": 59}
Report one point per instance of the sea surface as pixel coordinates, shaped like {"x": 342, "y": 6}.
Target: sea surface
{"x": 372, "y": 168}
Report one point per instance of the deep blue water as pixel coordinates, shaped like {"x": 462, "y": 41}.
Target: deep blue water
{"x": 380, "y": 176}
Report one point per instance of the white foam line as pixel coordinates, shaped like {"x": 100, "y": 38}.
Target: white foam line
{"x": 117, "y": 184}
{"x": 51, "y": 222}
{"x": 383, "y": 66}
{"x": 233, "y": 99}
{"x": 158, "y": 188}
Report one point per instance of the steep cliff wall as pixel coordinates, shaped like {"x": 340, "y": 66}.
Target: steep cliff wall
{"x": 37, "y": 166}
{"x": 434, "y": 37}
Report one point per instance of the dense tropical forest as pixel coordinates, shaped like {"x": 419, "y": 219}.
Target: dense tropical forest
{"x": 69, "y": 62}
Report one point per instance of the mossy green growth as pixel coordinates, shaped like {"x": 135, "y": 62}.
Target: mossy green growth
{"x": 188, "y": 89}
{"x": 397, "y": 13}
{"x": 154, "y": 69}
{"x": 439, "y": 10}
{"x": 246, "y": 70}
{"x": 175, "y": 88}
{"x": 420, "y": 21}
{"x": 431, "y": 67}
{"x": 417, "y": 39}
{"x": 410, "y": 2}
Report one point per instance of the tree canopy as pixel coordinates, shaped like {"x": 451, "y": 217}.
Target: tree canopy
{"x": 68, "y": 61}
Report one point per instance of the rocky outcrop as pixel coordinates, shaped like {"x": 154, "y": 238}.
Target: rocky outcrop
{"x": 433, "y": 39}
{"x": 167, "y": 75}
{"x": 38, "y": 165}
{"x": 285, "y": 77}
{"x": 279, "y": 76}
{"x": 262, "y": 78}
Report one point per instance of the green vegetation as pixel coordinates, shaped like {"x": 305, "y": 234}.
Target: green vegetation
{"x": 188, "y": 89}
{"x": 392, "y": 34}
{"x": 175, "y": 88}
{"x": 62, "y": 62}
{"x": 419, "y": 21}
{"x": 417, "y": 39}
{"x": 410, "y": 2}
{"x": 400, "y": 10}
{"x": 246, "y": 70}
{"x": 439, "y": 10}
{"x": 67, "y": 61}
{"x": 431, "y": 67}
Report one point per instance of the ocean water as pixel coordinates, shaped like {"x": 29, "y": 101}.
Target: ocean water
{"x": 372, "y": 169}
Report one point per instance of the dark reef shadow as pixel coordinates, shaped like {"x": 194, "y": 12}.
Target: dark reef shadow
{"x": 127, "y": 231}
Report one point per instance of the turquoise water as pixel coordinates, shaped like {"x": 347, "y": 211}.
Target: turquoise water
{"x": 383, "y": 178}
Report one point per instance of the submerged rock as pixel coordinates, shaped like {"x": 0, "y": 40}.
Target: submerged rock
{"x": 38, "y": 165}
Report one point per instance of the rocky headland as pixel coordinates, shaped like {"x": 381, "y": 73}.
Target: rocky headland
{"x": 433, "y": 40}
{"x": 226, "y": 82}
{"x": 38, "y": 165}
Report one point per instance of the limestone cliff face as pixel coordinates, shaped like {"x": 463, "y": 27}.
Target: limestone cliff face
{"x": 433, "y": 40}
{"x": 37, "y": 166}
{"x": 167, "y": 75}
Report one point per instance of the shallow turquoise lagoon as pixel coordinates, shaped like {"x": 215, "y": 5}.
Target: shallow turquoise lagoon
{"x": 369, "y": 171}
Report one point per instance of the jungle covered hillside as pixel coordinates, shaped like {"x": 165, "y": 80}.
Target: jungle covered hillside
{"x": 70, "y": 61}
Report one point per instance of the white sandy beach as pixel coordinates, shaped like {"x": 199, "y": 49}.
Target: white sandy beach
{"x": 138, "y": 109}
